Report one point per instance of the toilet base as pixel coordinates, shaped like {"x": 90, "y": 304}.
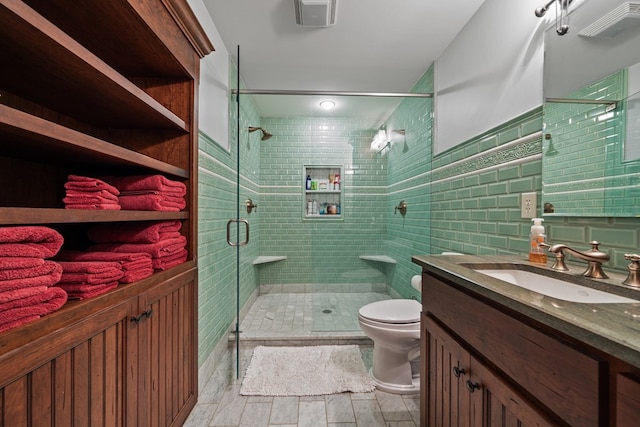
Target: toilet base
{"x": 414, "y": 388}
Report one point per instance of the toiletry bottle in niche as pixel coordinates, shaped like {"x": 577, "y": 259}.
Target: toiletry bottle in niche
{"x": 308, "y": 186}
{"x": 537, "y": 253}
{"x": 315, "y": 207}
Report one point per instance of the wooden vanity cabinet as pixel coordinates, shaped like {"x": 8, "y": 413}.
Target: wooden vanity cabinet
{"x": 627, "y": 400}
{"x": 100, "y": 88}
{"x": 515, "y": 371}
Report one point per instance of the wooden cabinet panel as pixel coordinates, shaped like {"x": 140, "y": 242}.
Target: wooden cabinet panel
{"x": 565, "y": 380}
{"x": 80, "y": 385}
{"x": 627, "y": 401}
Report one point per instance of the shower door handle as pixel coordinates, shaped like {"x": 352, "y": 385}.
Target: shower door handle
{"x": 246, "y": 224}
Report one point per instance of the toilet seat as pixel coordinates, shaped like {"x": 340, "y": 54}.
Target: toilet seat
{"x": 393, "y": 311}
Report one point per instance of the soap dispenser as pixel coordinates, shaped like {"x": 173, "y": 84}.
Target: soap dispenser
{"x": 537, "y": 252}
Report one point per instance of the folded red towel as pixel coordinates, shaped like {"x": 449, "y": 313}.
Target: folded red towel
{"x": 147, "y": 182}
{"x": 156, "y": 250}
{"x": 21, "y": 293}
{"x": 46, "y": 268}
{"x": 92, "y": 278}
{"x": 10, "y": 263}
{"x": 104, "y": 194}
{"x": 29, "y": 241}
{"x": 45, "y": 280}
{"x": 88, "y": 200}
{"x": 134, "y": 232}
{"x": 135, "y": 266}
{"x": 47, "y": 296}
{"x": 135, "y": 275}
{"x": 17, "y": 322}
{"x": 152, "y": 203}
{"x": 85, "y": 183}
{"x": 83, "y": 291}
{"x": 89, "y": 266}
{"x": 47, "y": 302}
{"x": 95, "y": 207}
{"x": 167, "y": 262}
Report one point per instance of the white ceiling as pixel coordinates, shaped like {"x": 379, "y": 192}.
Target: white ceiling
{"x": 375, "y": 46}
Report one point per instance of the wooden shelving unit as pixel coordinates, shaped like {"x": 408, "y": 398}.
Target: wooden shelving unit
{"x": 100, "y": 88}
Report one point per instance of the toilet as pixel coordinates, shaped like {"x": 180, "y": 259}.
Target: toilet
{"x": 394, "y": 327}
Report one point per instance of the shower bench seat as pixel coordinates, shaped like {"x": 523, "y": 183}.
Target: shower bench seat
{"x": 263, "y": 259}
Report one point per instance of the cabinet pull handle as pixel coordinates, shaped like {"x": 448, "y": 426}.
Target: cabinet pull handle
{"x": 471, "y": 386}
{"x": 145, "y": 314}
{"x": 458, "y": 371}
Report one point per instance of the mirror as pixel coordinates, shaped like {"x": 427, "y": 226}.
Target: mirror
{"x": 591, "y": 133}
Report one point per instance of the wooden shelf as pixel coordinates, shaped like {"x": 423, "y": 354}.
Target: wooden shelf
{"x": 16, "y": 216}
{"x": 25, "y": 135}
{"x": 47, "y": 66}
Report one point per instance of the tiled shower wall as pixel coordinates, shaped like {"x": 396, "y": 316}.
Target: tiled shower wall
{"x": 321, "y": 251}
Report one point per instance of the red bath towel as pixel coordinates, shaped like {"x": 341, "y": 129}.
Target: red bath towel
{"x": 156, "y": 250}
{"x": 102, "y": 194}
{"x": 46, "y": 268}
{"x": 10, "y": 263}
{"x": 136, "y": 274}
{"x": 152, "y": 203}
{"x": 95, "y": 207}
{"x": 83, "y": 291}
{"x": 45, "y": 280}
{"x": 51, "y": 298}
{"x": 48, "y": 302}
{"x": 147, "y": 182}
{"x": 135, "y": 266}
{"x": 91, "y": 278}
{"x": 167, "y": 262}
{"x": 21, "y": 293}
{"x": 89, "y": 266}
{"x": 85, "y": 183}
{"x": 88, "y": 200}
{"x": 134, "y": 232}
{"x": 29, "y": 241}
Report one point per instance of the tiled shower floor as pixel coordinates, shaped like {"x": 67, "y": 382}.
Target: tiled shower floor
{"x": 297, "y": 318}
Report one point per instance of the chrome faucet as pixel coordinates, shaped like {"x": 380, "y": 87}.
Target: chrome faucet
{"x": 594, "y": 256}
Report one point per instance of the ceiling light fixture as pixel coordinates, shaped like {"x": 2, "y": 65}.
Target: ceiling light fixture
{"x": 327, "y": 104}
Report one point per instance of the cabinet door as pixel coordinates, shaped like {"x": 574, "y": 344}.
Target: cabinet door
{"x": 447, "y": 367}
{"x": 495, "y": 403}
{"x": 627, "y": 400}
{"x": 74, "y": 380}
{"x": 167, "y": 360}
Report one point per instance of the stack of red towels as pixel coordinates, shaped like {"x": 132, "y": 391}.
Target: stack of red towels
{"x": 88, "y": 279}
{"x": 90, "y": 193}
{"x": 135, "y": 266}
{"x": 149, "y": 193}
{"x": 27, "y": 278}
{"x": 161, "y": 240}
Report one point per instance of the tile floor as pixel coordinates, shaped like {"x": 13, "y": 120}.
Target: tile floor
{"x": 298, "y": 319}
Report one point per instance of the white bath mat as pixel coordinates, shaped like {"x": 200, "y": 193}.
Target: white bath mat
{"x": 306, "y": 371}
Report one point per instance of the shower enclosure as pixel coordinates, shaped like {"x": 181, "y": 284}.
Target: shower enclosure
{"x": 315, "y": 254}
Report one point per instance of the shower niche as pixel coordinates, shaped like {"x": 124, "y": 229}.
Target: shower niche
{"x": 322, "y": 192}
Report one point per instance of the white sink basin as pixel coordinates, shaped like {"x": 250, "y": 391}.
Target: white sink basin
{"x": 555, "y": 288}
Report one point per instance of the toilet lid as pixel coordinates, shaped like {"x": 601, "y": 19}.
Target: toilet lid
{"x": 392, "y": 311}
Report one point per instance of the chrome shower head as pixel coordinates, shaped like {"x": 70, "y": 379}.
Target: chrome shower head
{"x": 265, "y": 135}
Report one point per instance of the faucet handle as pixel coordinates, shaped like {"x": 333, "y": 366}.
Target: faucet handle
{"x": 633, "y": 279}
{"x": 558, "y": 263}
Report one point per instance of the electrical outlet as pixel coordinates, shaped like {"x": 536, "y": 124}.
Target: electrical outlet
{"x": 528, "y": 204}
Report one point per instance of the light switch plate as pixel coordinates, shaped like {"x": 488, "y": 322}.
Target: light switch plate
{"x": 528, "y": 205}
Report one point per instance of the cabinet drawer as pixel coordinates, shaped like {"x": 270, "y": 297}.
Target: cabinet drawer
{"x": 627, "y": 400}
{"x": 557, "y": 375}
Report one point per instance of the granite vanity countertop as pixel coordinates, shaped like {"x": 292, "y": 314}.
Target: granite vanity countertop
{"x": 611, "y": 328}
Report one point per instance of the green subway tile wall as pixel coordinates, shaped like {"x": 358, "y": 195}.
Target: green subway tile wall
{"x": 466, "y": 199}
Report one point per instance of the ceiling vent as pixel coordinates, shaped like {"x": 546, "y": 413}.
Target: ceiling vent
{"x": 315, "y": 13}
{"x": 625, "y": 16}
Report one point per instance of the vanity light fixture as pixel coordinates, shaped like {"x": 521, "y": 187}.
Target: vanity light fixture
{"x": 562, "y": 14}
{"x": 327, "y": 104}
